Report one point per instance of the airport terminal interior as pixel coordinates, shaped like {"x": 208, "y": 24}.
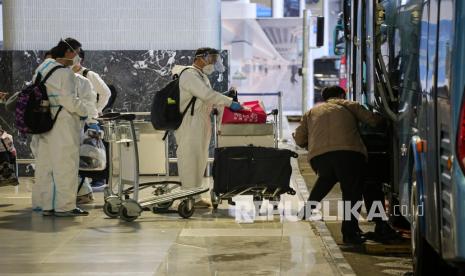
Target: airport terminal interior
{"x": 174, "y": 137}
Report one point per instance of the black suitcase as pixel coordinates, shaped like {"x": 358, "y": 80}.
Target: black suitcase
{"x": 239, "y": 168}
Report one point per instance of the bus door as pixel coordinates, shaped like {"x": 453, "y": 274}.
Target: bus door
{"x": 444, "y": 126}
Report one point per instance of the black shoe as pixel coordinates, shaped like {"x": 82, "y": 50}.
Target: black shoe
{"x": 384, "y": 232}
{"x": 73, "y": 213}
{"x": 48, "y": 213}
{"x": 353, "y": 239}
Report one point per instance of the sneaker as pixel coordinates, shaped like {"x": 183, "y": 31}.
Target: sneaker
{"x": 202, "y": 204}
{"x": 84, "y": 199}
{"x": 48, "y": 213}
{"x": 73, "y": 213}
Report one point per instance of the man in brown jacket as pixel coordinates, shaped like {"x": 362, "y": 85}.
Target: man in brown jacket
{"x": 336, "y": 151}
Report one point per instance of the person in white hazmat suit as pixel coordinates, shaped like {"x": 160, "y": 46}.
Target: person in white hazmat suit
{"x": 86, "y": 93}
{"x": 193, "y": 135}
{"x": 100, "y": 87}
{"x": 104, "y": 94}
{"x": 35, "y": 191}
{"x": 57, "y": 151}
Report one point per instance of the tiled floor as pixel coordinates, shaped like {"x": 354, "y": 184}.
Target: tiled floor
{"x": 209, "y": 243}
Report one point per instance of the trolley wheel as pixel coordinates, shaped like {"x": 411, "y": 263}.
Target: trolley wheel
{"x": 162, "y": 207}
{"x": 123, "y": 214}
{"x": 108, "y": 210}
{"x": 184, "y": 210}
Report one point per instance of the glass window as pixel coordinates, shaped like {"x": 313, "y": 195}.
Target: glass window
{"x": 264, "y": 7}
{"x": 445, "y": 41}
{"x": 423, "y": 53}
{"x": 291, "y": 8}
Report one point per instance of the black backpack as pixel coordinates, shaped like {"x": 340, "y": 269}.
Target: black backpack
{"x": 33, "y": 114}
{"x": 165, "y": 114}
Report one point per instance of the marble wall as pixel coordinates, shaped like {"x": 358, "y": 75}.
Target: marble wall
{"x": 137, "y": 76}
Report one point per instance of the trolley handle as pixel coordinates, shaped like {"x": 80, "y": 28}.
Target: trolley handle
{"x": 273, "y": 112}
{"x": 113, "y": 116}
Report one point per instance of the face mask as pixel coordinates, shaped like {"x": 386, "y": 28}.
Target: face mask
{"x": 208, "y": 69}
{"x": 76, "y": 60}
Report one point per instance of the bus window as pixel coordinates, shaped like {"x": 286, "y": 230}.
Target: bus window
{"x": 444, "y": 48}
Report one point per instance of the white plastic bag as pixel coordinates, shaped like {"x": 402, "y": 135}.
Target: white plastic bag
{"x": 92, "y": 156}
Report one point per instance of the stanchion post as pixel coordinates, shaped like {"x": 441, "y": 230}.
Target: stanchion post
{"x": 280, "y": 120}
{"x": 167, "y": 156}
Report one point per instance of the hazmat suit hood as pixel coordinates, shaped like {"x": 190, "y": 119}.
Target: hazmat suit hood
{"x": 177, "y": 69}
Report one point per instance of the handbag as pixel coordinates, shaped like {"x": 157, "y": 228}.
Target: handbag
{"x": 253, "y": 113}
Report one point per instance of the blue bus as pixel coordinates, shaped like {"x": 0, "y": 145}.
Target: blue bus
{"x": 406, "y": 58}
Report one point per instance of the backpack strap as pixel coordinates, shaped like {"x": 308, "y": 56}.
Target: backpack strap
{"x": 191, "y": 104}
{"x": 43, "y": 82}
{"x": 56, "y": 115}
{"x": 193, "y": 99}
{"x": 51, "y": 72}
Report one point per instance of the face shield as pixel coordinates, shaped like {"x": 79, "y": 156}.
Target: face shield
{"x": 214, "y": 59}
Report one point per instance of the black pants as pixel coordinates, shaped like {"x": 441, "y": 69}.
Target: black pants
{"x": 373, "y": 192}
{"x": 345, "y": 167}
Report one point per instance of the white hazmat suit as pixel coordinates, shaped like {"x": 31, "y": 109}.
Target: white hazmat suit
{"x": 57, "y": 151}
{"x": 100, "y": 87}
{"x": 194, "y": 134}
{"x": 85, "y": 92}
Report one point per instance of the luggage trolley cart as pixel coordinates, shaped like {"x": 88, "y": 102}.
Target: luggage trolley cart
{"x": 251, "y": 150}
{"x": 125, "y": 202}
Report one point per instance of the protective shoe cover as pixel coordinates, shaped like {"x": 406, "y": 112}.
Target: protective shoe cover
{"x": 73, "y": 213}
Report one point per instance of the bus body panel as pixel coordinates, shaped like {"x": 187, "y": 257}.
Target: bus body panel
{"x": 456, "y": 251}
{"x": 423, "y": 48}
